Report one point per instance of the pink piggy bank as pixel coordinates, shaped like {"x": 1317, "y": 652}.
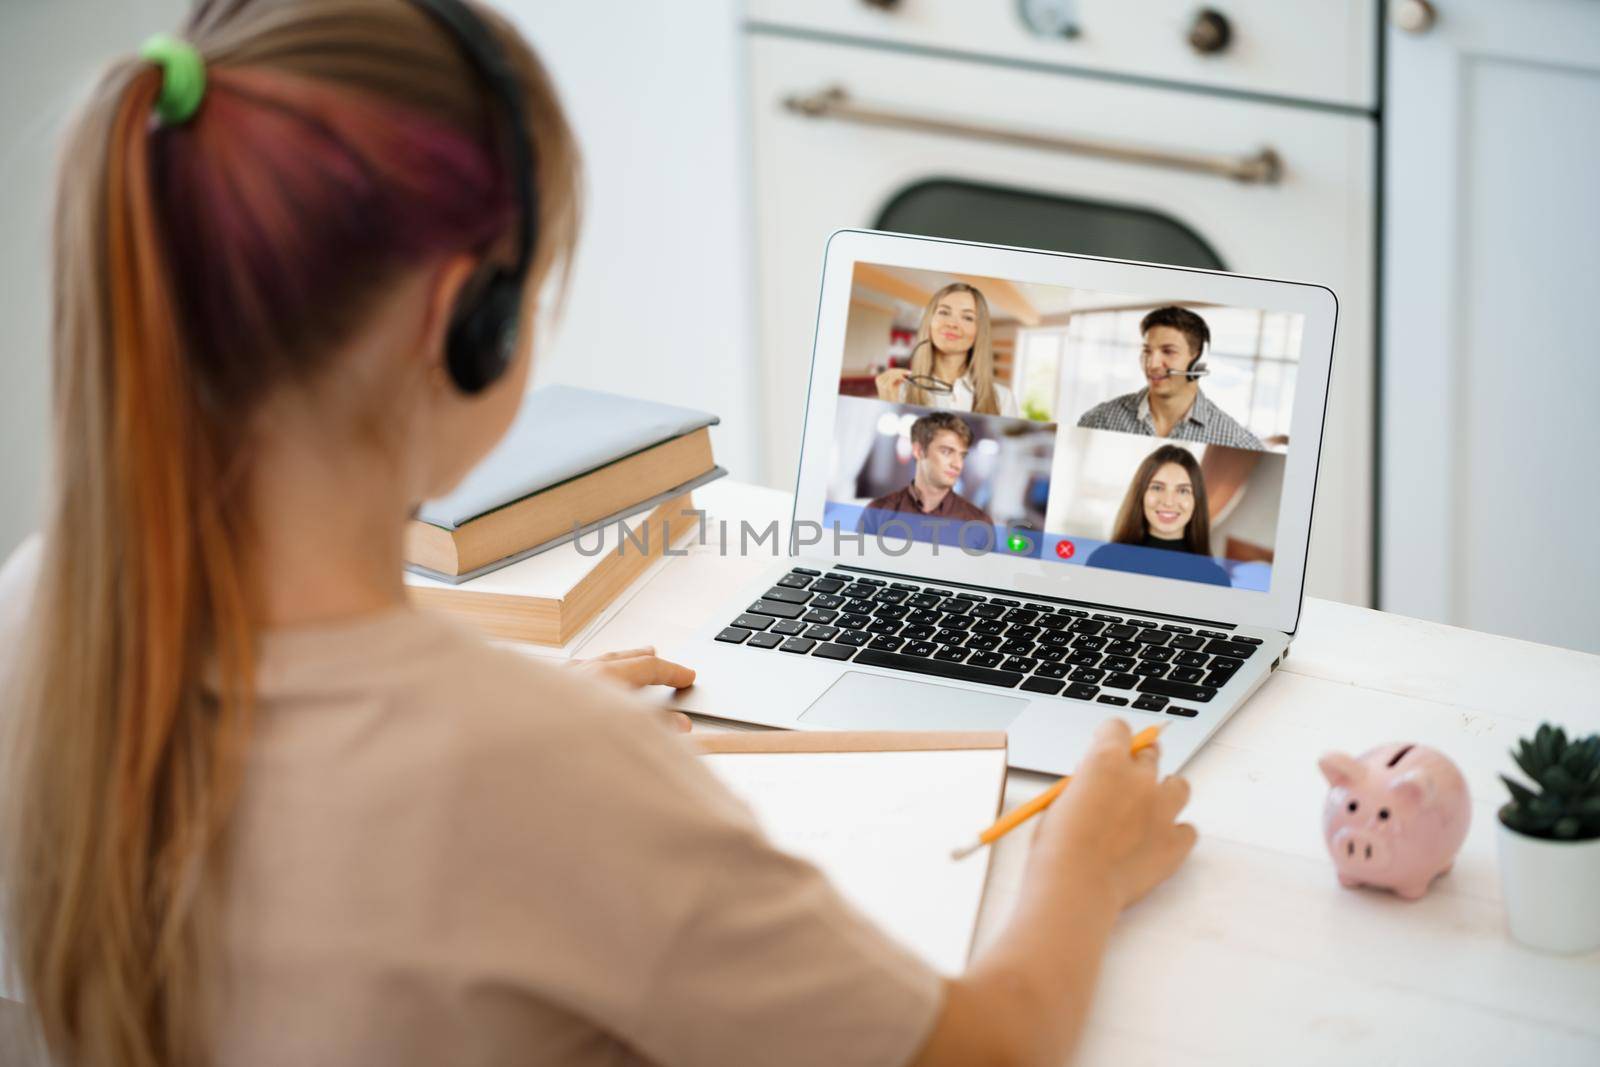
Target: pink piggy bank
{"x": 1395, "y": 818}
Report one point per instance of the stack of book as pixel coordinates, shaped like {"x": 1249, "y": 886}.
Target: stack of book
{"x": 585, "y": 492}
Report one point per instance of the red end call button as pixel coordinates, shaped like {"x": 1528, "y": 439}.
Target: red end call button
{"x": 1065, "y": 549}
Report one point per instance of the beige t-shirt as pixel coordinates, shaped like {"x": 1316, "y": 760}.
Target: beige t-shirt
{"x": 447, "y": 853}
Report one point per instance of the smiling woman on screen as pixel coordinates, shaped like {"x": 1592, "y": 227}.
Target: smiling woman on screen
{"x": 259, "y": 809}
{"x": 1165, "y": 508}
{"x": 952, "y": 361}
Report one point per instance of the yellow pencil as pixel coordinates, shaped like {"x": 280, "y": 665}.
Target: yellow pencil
{"x": 1017, "y": 816}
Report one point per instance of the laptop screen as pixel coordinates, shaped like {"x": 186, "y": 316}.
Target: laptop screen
{"x": 1140, "y": 432}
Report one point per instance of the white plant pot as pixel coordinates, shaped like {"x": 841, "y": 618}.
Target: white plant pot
{"x": 1551, "y": 890}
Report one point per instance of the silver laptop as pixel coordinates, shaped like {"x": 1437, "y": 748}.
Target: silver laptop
{"x": 1036, "y": 490}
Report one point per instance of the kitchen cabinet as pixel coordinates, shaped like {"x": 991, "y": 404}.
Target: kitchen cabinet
{"x": 1490, "y": 372}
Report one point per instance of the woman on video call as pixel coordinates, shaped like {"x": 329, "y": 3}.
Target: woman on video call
{"x": 952, "y": 346}
{"x": 1165, "y": 507}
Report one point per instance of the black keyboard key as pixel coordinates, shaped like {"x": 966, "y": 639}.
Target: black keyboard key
{"x": 1118, "y": 663}
{"x": 777, "y": 610}
{"x": 956, "y": 606}
{"x": 914, "y": 632}
{"x": 1024, "y": 633}
{"x": 1200, "y": 694}
{"x": 969, "y": 596}
{"x": 767, "y": 640}
{"x": 752, "y": 622}
{"x": 1217, "y": 679}
{"x": 1021, "y": 616}
{"x": 924, "y": 600}
{"x": 1003, "y": 602}
{"x": 1089, "y": 644}
{"x": 1190, "y": 659}
{"x": 1111, "y": 698}
{"x": 788, "y": 627}
{"x": 1150, "y": 702}
{"x": 787, "y": 596}
{"x": 1233, "y": 649}
{"x": 1152, "y": 637}
{"x": 879, "y": 582}
{"x": 907, "y": 586}
{"x": 734, "y": 635}
{"x": 887, "y": 627}
{"x": 1187, "y": 713}
{"x": 1084, "y": 659}
{"x": 1082, "y": 691}
{"x": 1052, "y": 670}
{"x": 1173, "y": 627}
{"x": 853, "y": 622}
{"x": 1073, "y": 613}
{"x": 853, "y": 638}
{"x": 823, "y": 633}
{"x": 1016, "y": 648}
{"x": 951, "y": 653}
{"x": 891, "y": 611}
{"x": 982, "y": 642}
{"x": 988, "y": 626}
{"x": 1054, "y": 622}
{"x": 857, "y": 591}
{"x": 1186, "y": 674}
{"x": 827, "y": 585}
{"x": 1020, "y": 664}
{"x": 1050, "y": 653}
{"x": 986, "y": 659}
{"x": 1247, "y": 640}
{"x": 818, "y": 615}
{"x": 1042, "y": 685}
{"x": 890, "y": 596}
{"x": 1121, "y": 631}
{"x": 1121, "y": 680}
{"x": 1056, "y": 638}
{"x": 922, "y": 617}
{"x": 1155, "y": 654}
{"x": 956, "y": 622}
{"x": 807, "y": 571}
{"x": 1092, "y": 675}
{"x": 1188, "y": 641}
{"x": 1122, "y": 648}
{"x": 1087, "y": 627}
{"x": 988, "y": 611}
{"x": 794, "y": 581}
{"x": 827, "y": 602}
{"x": 1221, "y": 663}
{"x": 1039, "y": 609}
{"x": 964, "y": 672}
{"x": 1149, "y": 668}
{"x": 885, "y": 643}
{"x": 1110, "y": 618}
{"x": 948, "y": 637}
{"x": 1212, "y": 634}
{"x": 801, "y": 645}
{"x": 920, "y": 648}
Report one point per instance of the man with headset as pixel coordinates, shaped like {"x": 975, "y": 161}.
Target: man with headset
{"x": 1171, "y": 405}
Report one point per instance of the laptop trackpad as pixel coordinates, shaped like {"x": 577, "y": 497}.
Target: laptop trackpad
{"x": 872, "y": 702}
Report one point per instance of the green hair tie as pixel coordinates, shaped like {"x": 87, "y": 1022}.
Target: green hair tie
{"x": 183, "y": 77}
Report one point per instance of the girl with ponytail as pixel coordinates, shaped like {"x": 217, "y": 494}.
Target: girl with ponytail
{"x": 257, "y": 809}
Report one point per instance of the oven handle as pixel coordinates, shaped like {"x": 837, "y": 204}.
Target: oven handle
{"x": 1265, "y": 167}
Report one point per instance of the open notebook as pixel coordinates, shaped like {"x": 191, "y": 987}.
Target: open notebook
{"x": 879, "y": 813}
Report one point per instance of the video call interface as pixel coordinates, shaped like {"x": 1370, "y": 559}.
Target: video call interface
{"x": 1124, "y": 431}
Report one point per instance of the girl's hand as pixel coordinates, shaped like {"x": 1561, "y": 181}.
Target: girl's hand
{"x": 890, "y": 381}
{"x": 637, "y": 668}
{"x": 1116, "y": 822}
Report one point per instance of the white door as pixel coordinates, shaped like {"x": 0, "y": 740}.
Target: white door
{"x": 1491, "y": 376}
{"x": 815, "y": 175}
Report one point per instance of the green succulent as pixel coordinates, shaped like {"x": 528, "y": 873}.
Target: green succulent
{"x": 1568, "y": 807}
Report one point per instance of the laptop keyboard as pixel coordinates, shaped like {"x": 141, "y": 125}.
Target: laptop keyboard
{"x": 1039, "y": 648}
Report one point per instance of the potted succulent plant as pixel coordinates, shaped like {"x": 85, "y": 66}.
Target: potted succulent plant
{"x": 1550, "y": 843}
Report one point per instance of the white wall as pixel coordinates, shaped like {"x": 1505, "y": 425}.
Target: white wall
{"x": 50, "y": 54}
{"x": 661, "y": 301}
{"x": 659, "y": 306}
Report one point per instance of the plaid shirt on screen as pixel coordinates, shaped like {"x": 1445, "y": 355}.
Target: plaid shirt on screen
{"x": 1130, "y": 413}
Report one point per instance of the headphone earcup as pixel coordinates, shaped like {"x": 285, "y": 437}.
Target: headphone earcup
{"x": 483, "y": 337}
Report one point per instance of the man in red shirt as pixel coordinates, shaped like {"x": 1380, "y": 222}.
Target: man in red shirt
{"x": 939, "y": 442}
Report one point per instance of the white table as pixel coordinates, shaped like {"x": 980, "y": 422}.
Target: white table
{"x": 1252, "y": 953}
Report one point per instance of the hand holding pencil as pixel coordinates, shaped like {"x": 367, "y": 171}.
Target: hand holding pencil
{"x": 1113, "y": 819}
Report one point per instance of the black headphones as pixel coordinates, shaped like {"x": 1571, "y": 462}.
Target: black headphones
{"x": 483, "y": 331}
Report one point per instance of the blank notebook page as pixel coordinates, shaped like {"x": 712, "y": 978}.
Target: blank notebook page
{"x": 881, "y": 825}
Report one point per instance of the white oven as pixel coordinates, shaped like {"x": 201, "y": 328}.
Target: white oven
{"x": 1099, "y": 127}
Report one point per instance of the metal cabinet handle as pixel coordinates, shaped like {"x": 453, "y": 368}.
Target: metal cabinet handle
{"x": 1264, "y": 167}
